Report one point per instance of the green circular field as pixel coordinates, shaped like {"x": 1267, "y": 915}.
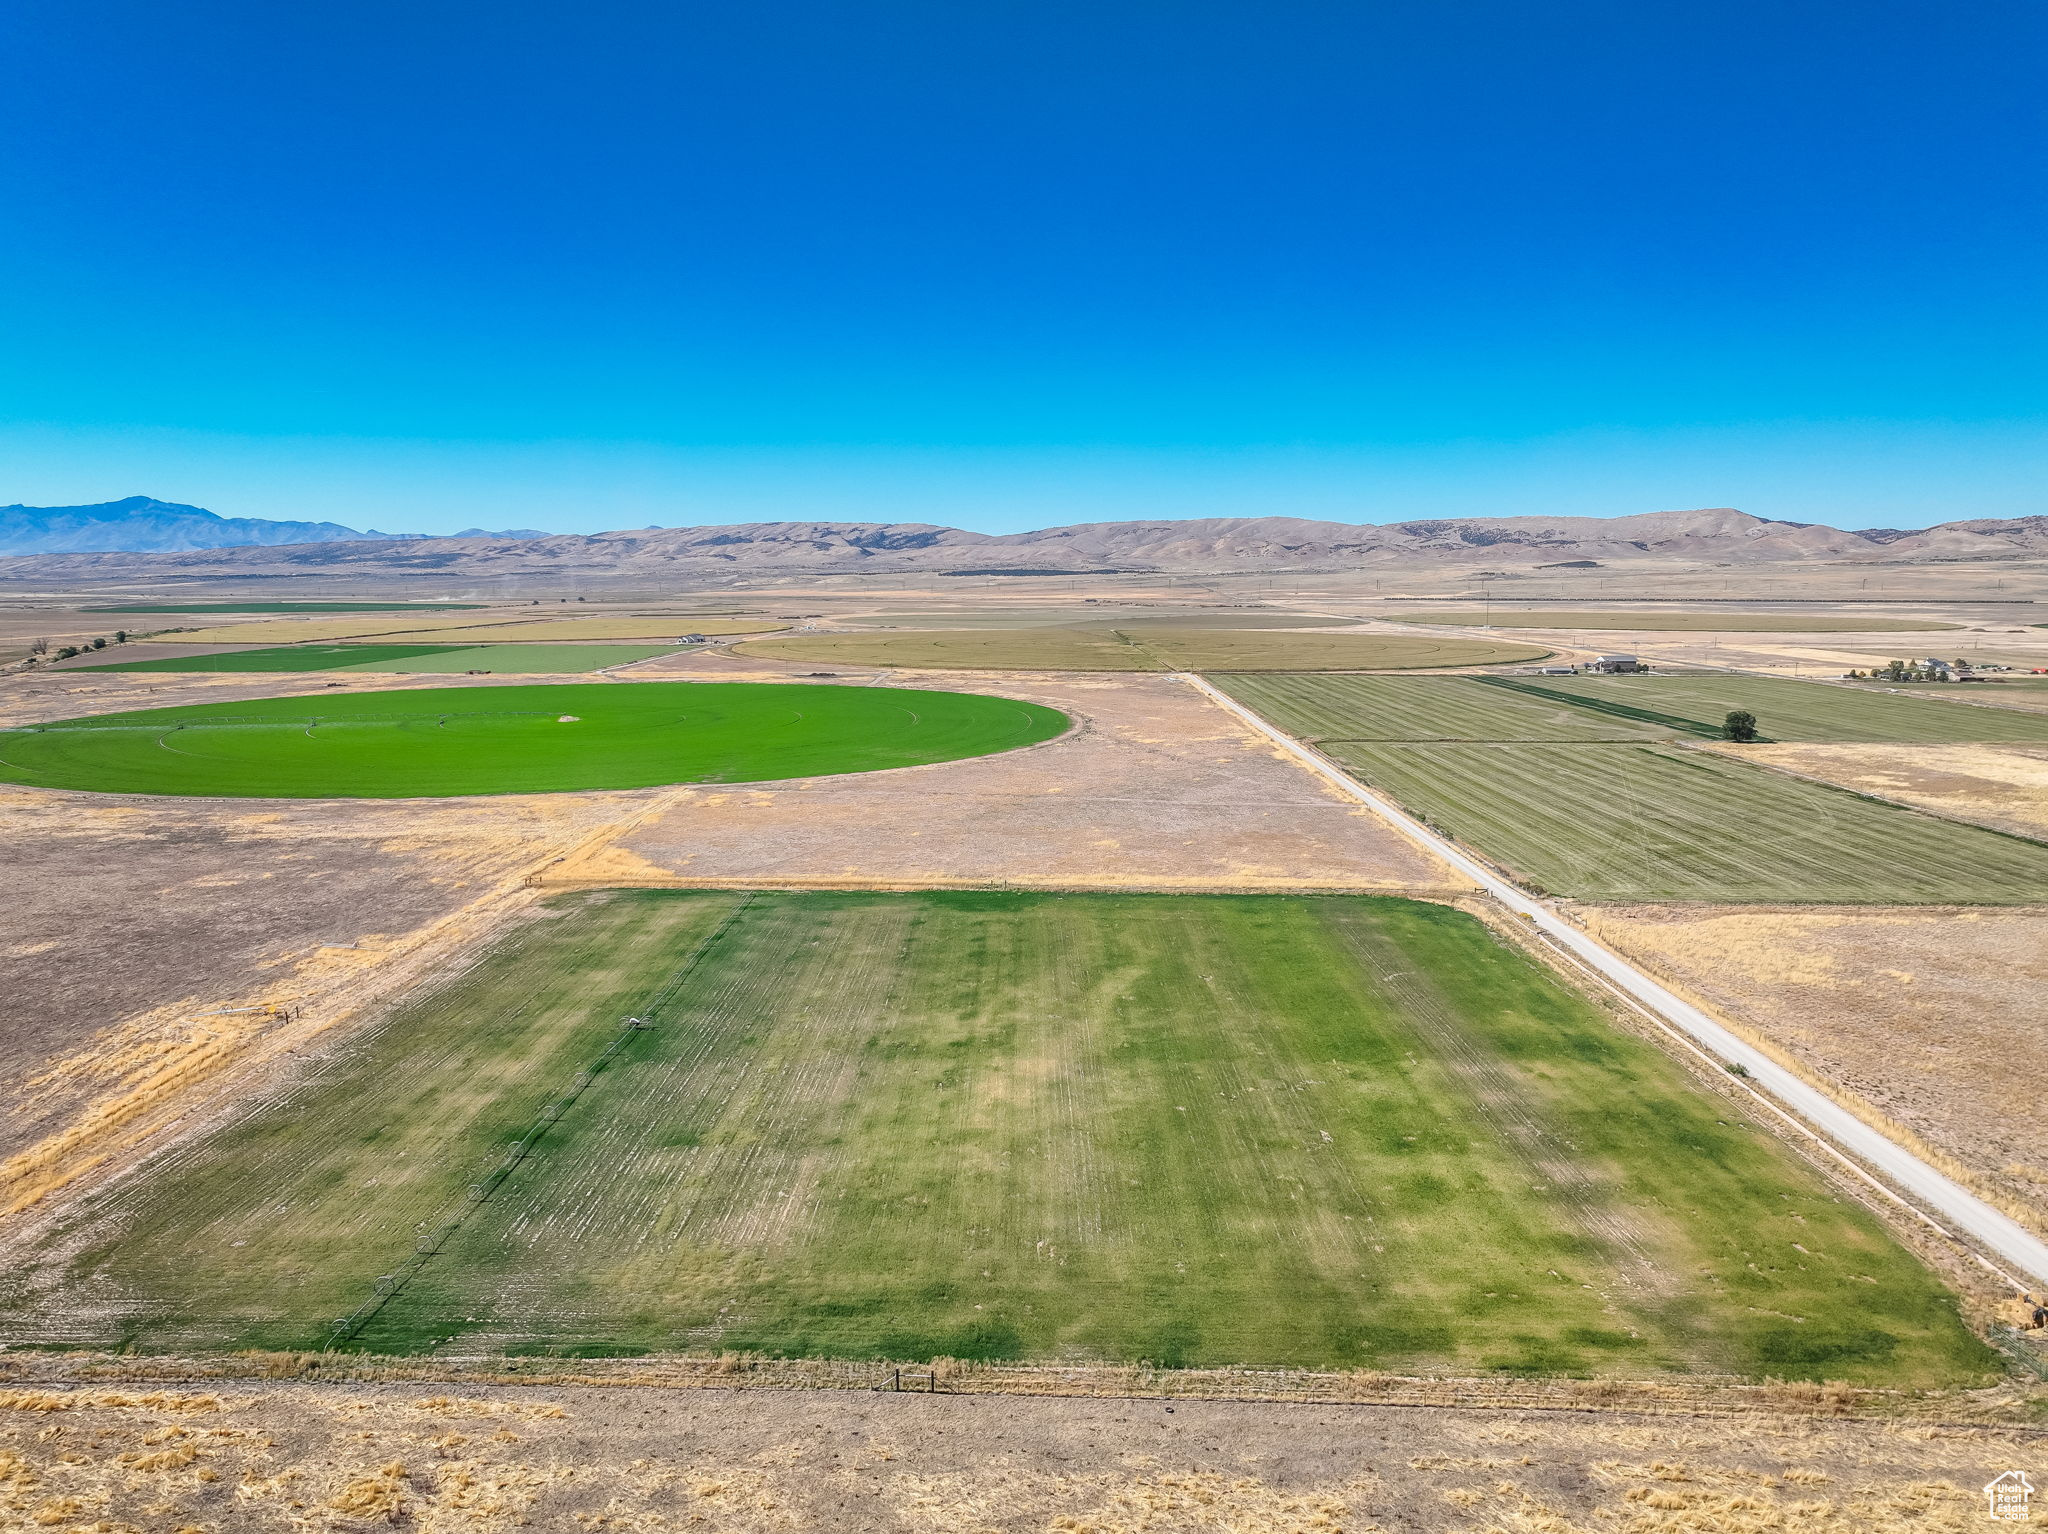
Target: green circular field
{"x": 516, "y": 740}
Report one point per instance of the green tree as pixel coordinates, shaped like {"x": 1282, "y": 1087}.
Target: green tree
{"x": 1739, "y": 725}
{"x": 99, "y": 644}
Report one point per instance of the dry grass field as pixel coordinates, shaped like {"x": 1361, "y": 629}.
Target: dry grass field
{"x": 1930, "y": 1019}
{"x": 2001, "y": 786}
{"x": 1682, "y": 621}
{"x": 1097, "y": 616}
{"x": 157, "y": 948}
{"x": 257, "y": 1458}
{"x": 542, "y": 627}
{"x": 1140, "y": 648}
{"x": 323, "y": 630}
{"x": 553, "y": 631}
{"x": 1158, "y": 789}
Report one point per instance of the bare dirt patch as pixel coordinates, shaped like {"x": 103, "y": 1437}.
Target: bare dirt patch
{"x": 1928, "y": 1020}
{"x": 2001, "y": 786}
{"x": 1156, "y": 788}
{"x": 242, "y": 1457}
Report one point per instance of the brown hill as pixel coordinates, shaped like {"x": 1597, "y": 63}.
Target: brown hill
{"x": 1717, "y": 535}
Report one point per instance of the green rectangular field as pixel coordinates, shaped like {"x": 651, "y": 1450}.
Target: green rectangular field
{"x": 1619, "y": 822}
{"x": 201, "y": 609}
{"x": 306, "y": 657}
{"x": 1784, "y": 709}
{"x": 1422, "y": 708}
{"x": 1263, "y": 1130}
{"x": 514, "y": 659}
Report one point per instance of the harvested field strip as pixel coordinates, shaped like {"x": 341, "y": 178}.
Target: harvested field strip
{"x": 1665, "y": 724}
{"x": 323, "y": 657}
{"x": 1140, "y": 648}
{"x": 1421, "y": 709}
{"x": 1288, "y": 1131}
{"x": 656, "y": 626}
{"x": 201, "y": 609}
{"x": 518, "y": 659}
{"x": 1789, "y": 710}
{"x": 1676, "y": 622}
{"x": 405, "y": 627}
{"x": 1624, "y": 822}
{"x": 1199, "y": 650}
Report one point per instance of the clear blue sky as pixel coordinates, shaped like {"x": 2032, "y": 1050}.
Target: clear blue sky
{"x": 420, "y": 265}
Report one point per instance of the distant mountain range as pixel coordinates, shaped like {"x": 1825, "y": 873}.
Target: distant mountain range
{"x": 142, "y": 524}
{"x": 1715, "y": 536}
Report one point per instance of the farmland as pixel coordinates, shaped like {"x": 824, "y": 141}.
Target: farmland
{"x": 1336, "y": 1131}
{"x": 500, "y": 740}
{"x": 569, "y": 630}
{"x": 440, "y": 626}
{"x": 1676, "y": 622}
{"x": 1139, "y": 648}
{"x": 322, "y": 630}
{"x": 1097, "y": 617}
{"x": 1787, "y": 710}
{"x": 1423, "y": 708}
{"x": 201, "y": 609}
{"x": 311, "y": 657}
{"x": 1648, "y": 822}
{"x": 529, "y": 658}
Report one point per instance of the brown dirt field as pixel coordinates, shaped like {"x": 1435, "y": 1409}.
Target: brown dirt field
{"x": 1158, "y": 788}
{"x": 2005, "y": 787}
{"x": 1928, "y": 1021}
{"x": 236, "y": 1458}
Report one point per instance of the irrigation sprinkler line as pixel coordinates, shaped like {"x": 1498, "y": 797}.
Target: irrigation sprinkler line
{"x": 426, "y": 1248}
{"x": 1820, "y": 1113}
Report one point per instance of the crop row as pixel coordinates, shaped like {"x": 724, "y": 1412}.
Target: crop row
{"x": 1423, "y": 708}
{"x": 1620, "y": 822}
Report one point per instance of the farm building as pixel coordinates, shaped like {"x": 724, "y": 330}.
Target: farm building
{"x": 1613, "y": 663}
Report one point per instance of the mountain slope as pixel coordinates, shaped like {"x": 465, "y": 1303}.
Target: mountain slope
{"x": 1717, "y": 535}
{"x": 143, "y": 524}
